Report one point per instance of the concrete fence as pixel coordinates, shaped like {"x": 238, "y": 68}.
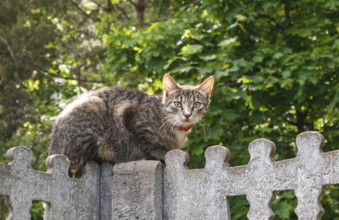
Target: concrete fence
{"x": 150, "y": 190}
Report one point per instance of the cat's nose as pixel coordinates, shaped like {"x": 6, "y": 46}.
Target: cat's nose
{"x": 187, "y": 115}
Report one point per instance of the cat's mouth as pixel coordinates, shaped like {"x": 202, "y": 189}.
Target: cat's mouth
{"x": 184, "y": 128}
{"x": 185, "y": 122}
{"x": 185, "y": 125}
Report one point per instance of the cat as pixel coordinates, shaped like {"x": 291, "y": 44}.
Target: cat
{"x": 123, "y": 124}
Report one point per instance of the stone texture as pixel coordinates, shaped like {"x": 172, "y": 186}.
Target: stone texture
{"x": 65, "y": 197}
{"x": 195, "y": 194}
{"x": 137, "y": 190}
{"x": 201, "y": 194}
{"x": 149, "y": 190}
{"x": 311, "y": 168}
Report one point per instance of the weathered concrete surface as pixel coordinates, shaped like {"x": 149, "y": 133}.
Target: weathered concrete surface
{"x": 201, "y": 194}
{"x": 195, "y": 194}
{"x": 149, "y": 190}
{"x": 67, "y": 198}
{"x": 137, "y": 190}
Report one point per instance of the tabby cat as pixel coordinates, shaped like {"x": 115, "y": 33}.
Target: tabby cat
{"x": 123, "y": 124}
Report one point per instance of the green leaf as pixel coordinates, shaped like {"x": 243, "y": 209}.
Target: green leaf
{"x": 230, "y": 114}
{"x": 278, "y": 55}
{"x": 284, "y": 210}
{"x": 191, "y": 49}
{"x": 229, "y": 42}
{"x": 258, "y": 58}
{"x": 115, "y": 2}
{"x": 208, "y": 57}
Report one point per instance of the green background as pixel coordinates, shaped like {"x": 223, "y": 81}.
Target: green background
{"x": 275, "y": 65}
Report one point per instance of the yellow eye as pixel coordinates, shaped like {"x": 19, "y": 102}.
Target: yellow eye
{"x": 177, "y": 104}
{"x": 196, "y": 104}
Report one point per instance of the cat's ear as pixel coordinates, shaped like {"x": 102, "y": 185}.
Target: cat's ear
{"x": 207, "y": 85}
{"x": 169, "y": 84}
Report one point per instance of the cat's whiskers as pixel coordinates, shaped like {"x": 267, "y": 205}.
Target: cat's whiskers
{"x": 188, "y": 142}
{"x": 176, "y": 122}
{"x": 165, "y": 123}
{"x": 124, "y": 124}
{"x": 203, "y": 125}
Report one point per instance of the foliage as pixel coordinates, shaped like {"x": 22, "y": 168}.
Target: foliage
{"x": 275, "y": 65}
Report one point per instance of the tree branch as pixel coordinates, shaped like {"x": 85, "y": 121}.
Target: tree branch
{"x": 132, "y": 2}
{"x": 9, "y": 48}
{"x": 123, "y": 11}
{"x": 65, "y": 77}
{"x": 291, "y": 122}
{"x": 141, "y": 7}
{"x": 109, "y": 6}
{"x": 287, "y": 13}
{"x": 84, "y": 13}
{"x": 43, "y": 70}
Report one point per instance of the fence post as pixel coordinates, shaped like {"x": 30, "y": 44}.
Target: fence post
{"x": 137, "y": 190}
{"x": 196, "y": 194}
{"x": 65, "y": 197}
{"x": 148, "y": 190}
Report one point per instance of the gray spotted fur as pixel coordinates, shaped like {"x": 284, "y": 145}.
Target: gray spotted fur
{"x": 123, "y": 124}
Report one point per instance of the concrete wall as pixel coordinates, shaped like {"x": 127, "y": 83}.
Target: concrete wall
{"x": 150, "y": 190}
{"x": 66, "y": 198}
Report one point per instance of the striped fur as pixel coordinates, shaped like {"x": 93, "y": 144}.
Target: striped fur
{"x": 123, "y": 124}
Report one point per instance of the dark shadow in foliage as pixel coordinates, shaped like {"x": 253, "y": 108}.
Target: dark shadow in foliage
{"x": 284, "y": 205}
{"x": 239, "y": 207}
{"x": 330, "y": 205}
{"x": 37, "y": 210}
{"x": 3, "y": 206}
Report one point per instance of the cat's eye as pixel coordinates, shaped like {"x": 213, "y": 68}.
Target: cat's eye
{"x": 196, "y": 104}
{"x": 177, "y": 104}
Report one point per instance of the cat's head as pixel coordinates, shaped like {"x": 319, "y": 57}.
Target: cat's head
{"x": 185, "y": 105}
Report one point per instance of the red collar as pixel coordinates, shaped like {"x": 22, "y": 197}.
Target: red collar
{"x": 182, "y": 128}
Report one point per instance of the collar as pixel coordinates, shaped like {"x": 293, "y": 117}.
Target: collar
{"x": 182, "y": 128}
